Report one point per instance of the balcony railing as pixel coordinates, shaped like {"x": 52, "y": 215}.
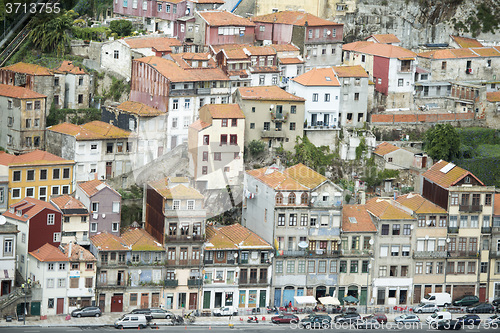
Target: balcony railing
{"x": 494, "y": 254}
{"x": 463, "y": 254}
{"x": 272, "y": 134}
{"x": 486, "y": 230}
{"x": 453, "y": 230}
{"x": 195, "y": 282}
{"x": 182, "y": 92}
{"x": 171, "y": 283}
{"x": 309, "y": 253}
{"x": 470, "y": 208}
{"x": 279, "y": 116}
{"x": 203, "y": 91}
{"x": 405, "y": 69}
{"x": 429, "y": 254}
{"x": 355, "y": 252}
{"x": 184, "y": 238}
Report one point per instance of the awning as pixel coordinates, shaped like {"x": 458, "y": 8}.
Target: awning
{"x": 305, "y": 299}
{"x": 329, "y": 300}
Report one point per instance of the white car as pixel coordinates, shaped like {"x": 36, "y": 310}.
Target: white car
{"x": 226, "y": 311}
{"x": 425, "y": 308}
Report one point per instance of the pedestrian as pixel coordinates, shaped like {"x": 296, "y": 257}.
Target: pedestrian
{"x": 290, "y": 305}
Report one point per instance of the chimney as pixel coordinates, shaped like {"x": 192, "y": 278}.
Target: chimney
{"x": 70, "y": 248}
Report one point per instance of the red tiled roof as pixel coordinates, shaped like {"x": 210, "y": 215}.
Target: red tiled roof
{"x": 18, "y": 92}
{"x": 384, "y": 210}
{"x": 48, "y": 253}
{"x": 161, "y": 44}
{"x": 355, "y": 218}
{"x": 493, "y": 96}
{"x": 178, "y": 191}
{"x": 419, "y": 204}
{"x": 234, "y": 236}
{"x": 95, "y": 130}
{"x": 381, "y": 50}
{"x": 139, "y": 109}
{"x": 318, "y": 77}
{"x": 385, "y": 38}
{"x": 461, "y": 53}
{"x": 22, "y": 67}
{"x": 68, "y": 67}
{"x": 76, "y": 249}
{"x": 209, "y": 1}
{"x": 385, "y": 148}
{"x": 350, "y": 71}
{"x": 181, "y": 59}
{"x": 267, "y": 93}
{"x": 466, "y": 42}
{"x": 67, "y": 202}
{"x": 29, "y": 207}
{"x": 220, "y": 111}
{"x": 36, "y": 157}
{"x": 284, "y": 47}
{"x": 450, "y": 178}
{"x": 293, "y": 18}
{"x": 105, "y": 241}
{"x": 139, "y": 240}
{"x": 290, "y": 61}
{"x": 305, "y": 175}
{"x": 224, "y": 18}
{"x": 295, "y": 178}
{"x": 93, "y": 186}
{"x": 199, "y": 125}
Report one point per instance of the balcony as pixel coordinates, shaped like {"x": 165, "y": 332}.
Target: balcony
{"x": 486, "y": 230}
{"x": 184, "y": 238}
{"x": 308, "y": 253}
{"x": 170, "y": 283}
{"x": 494, "y": 254}
{"x": 429, "y": 254}
{"x": 470, "y": 208}
{"x": 195, "y": 283}
{"x": 463, "y": 254}
{"x": 279, "y": 117}
{"x": 355, "y": 252}
{"x": 203, "y": 91}
{"x": 453, "y": 230}
{"x": 253, "y": 282}
{"x": 405, "y": 69}
{"x": 272, "y": 134}
{"x": 182, "y": 92}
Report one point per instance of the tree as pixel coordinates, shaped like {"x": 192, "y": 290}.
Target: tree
{"x": 256, "y": 147}
{"x": 50, "y": 33}
{"x": 442, "y": 142}
{"x": 121, "y": 27}
{"x": 317, "y": 158}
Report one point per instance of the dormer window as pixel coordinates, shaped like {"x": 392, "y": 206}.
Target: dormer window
{"x": 467, "y": 180}
{"x": 279, "y": 199}
{"x": 291, "y": 199}
{"x": 303, "y": 199}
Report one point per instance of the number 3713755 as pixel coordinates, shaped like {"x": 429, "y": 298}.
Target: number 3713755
{"x": 33, "y": 8}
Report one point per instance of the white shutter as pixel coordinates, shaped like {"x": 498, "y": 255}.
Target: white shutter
{"x": 431, "y": 244}
{"x": 420, "y": 244}
{"x": 384, "y": 250}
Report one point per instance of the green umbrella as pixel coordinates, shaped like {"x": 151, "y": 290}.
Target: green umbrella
{"x": 351, "y": 299}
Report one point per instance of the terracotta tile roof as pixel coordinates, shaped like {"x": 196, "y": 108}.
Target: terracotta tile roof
{"x": 265, "y": 69}
{"x": 65, "y": 202}
{"x": 49, "y": 253}
{"x": 267, "y": 93}
{"x": 199, "y": 125}
{"x": 461, "y": 53}
{"x": 261, "y": 50}
{"x": 161, "y": 44}
{"x": 68, "y": 67}
{"x": 178, "y": 179}
{"x": 384, "y": 210}
{"x": 139, "y": 240}
{"x": 450, "y": 178}
{"x": 224, "y": 18}
{"x": 270, "y": 177}
{"x": 232, "y": 51}
{"x": 95, "y": 130}
{"x": 419, "y": 204}
{"x": 493, "y": 96}
{"x": 209, "y": 1}
{"x": 178, "y": 191}
{"x": 381, "y": 50}
{"x": 486, "y": 52}
{"x": 293, "y": 18}
{"x": 318, "y": 77}
{"x": 355, "y": 218}
{"x": 284, "y": 47}
{"x": 94, "y": 186}
{"x": 35, "y": 157}
{"x": 139, "y": 109}
{"x": 385, "y": 38}
{"x": 22, "y": 67}
{"x": 76, "y": 249}
{"x": 105, "y": 241}
{"x": 18, "y": 92}
{"x": 295, "y": 178}
{"x": 220, "y": 111}
{"x": 466, "y": 42}
{"x": 496, "y": 207}
{"x": 290, "y": 184}
{"x": 290, "y": 61}
{"x": 234, "y": 236}
{"x": 305, "y": 175}
{"x": 182, "y": 58}
{"x": 385, "y": 148}
{"x": 29, "y": 207}
{"x": 350, "y": 71}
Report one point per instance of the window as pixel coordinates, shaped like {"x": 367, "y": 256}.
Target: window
{"x": 223, "y": 139}
{"x": 252, "y": 125}
{"x": 290, "y": 266}
{"x": 204, "y": 170}
{"x": 57, "y": 237}
{"x": 419, "y": 266}
{"x": 407, "y": 229}
{"x": 175, "y": 104}
{"x": 206, "y": 139}
{"x": 233, "y": 139}
{"x": 50, "y": 219}
{"x": 443, "y": 65}
{"x": 279, "y": 266}
{"x": 56, "y": 174}
{"x": 385, "y": 229}
{"x": 190, "y": 204}
{"x": 311, "y": 268}
{"x": 281, "y": 219}
{"x": 394, "y": 250}
{"x": 393, "y": 271}
{"x": 95, "y": 207}
{"x": 460, "y": 267}
{"x": 400, "y": 82}
{"x": 16, "y": 176}
{"x": 484, "y": 267}
{"x": 315, "y": 97}
{"x": 382, "y": 271}
{"x": 50, "y": 303}
{"x": 404, "y": 271}
{"x": 217, "y": 156}
{"x": 487, "y": 199}
{"x": 234, "y": 122}
{"x": 291, "y": 198}
{"x": 428, "y": 267}
{"x": 224, "y": 122}
{"x": 115, "y": 226}
{"x": 354, "y": 266}
{"x": 292, "y": 220}
{"x": 116, "y": 54}
{"x": 327, "y": 97}
{"x": 28, "y": 123}
{"x": 93, "y": 227}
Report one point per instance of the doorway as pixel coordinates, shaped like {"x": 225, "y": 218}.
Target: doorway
{"x": 218, "y": 300}
{"x": 320, "y": 291}
{"x": 262, "y": 299}
{"x": 102, "y": 302}
{"x": 206, "y": 299}
{"x": 117, "y": 303}
{"x": 193, "y": 301}
{"x": 155, "y": 300}
{"x": 109, "y": 168}
{"x": 403, "y": 296}
{"x": 144, "y": 301}
{"x": 60, "y": 306}
{"x": 5, "y": 289}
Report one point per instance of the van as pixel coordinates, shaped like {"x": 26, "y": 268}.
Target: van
{"x": 437, "y": 316}
{"x": 131, "y": 320}
{"x": 439, "y": 299}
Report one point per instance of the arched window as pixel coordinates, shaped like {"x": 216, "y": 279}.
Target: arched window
{"x": 291, "y": 199}
{"x": 279, "y": 199}
{"x": 303, "y": 198}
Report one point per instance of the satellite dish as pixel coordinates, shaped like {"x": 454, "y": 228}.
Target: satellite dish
{"x": 371, "y": 241}
{"x": 302, "y": 245}
{"x": 328, "y": 32}
{"x": 235, "y": 255}
{"x": 3, "y": 220}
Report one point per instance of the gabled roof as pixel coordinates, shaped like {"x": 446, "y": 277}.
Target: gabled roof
{"x": 69, "y": 205}
{"x": 493, "y": 96}
{"x": 48, "y": 253}
{"x": 318, "y": 77}
{"x": 284, "y": 47}
{"x": 381, "y": 50}
{"x": 461, "y": 53}
{"x": 220, "y": 111}
{"x": 384, "y": 210}
{"x": 178, "y": 191}
{"x": 290, "y": 61}
{"x": 182, "y": 59}
{"x": 350, "y": 71}
{"x": 268, "y": 93}
{"x": 305, "y": 175}
{"x": 94, "y": 186}
{"x": 139, "y": 240}
{"x": 140, "y": 109}
{"x": 28, "y": 208}
{"x": 199, "y": 125}
{"x": 296, "y": 178}
{"x": 18, "y": 92}
{"x": 68, "y": 67}
{"x": 35, "y": 157}
{"x": 95, "y": 130}
{"x": 22, "y": 67}
{"x": 466, "y": 41}
{"x": 161, "y": 44}
{"x": 293, "y": 18}
{"x": 419, "y": 204}
{"x": 355, "y": 218}
{"x": 385, "y": 38}
{"x": 232, "y": 237}
{"x": 385, "y": 148}
{"x": 437, "y": 174}
{"x": 224, "y": 18}
{"x": 78, "y": 253}
{"x": 105, "y": 241}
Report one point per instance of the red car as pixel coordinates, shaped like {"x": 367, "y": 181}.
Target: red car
{"x": 285, "y": 318}
{"x": 380, "y": 317}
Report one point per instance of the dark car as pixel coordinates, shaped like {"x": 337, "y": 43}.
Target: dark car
{"x": 316, "y": 321}
{"x": 449, "y": 325}
{"x": 466, "y": 301}
{"x": 496, "y": 302}
{"x": 470, "y": 319}
{"x": 88, "y": 311}
{"x": 380, "y": 317}
{"x": 285, "y": 318}
{"x": 481, "y": 308}
{"x": 370, "y": 323}
{"x": 347, "y": 318}
{"x": 146, "y": 312}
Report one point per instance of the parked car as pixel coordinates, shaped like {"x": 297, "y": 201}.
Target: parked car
{"x": 226, "y": 311}
{"x": 466, "y": 300}
{"x": 449, "y": 324}
{"x": 145, "y": 312}
{"x": 440, "y": 299}
{"x": 285, "y": 318}
{"x": 88, "y": 311}
{"x": 481, "y": 308}
{"x": 316, "y": 321}
{"x": 434, "y": 318}
{"x": 158, "y": 313}
{"x": 495, "y": 319}
{"x": 470, "y": 319}
{"x": 425, "y": 308}
{"x": 370, "y": 323}
{"x": 407, "y": 318}
{"x": 380, "y": 317}
{"x": 496, "y": 302}
{"x": 132, "y": 320}
{"x": 347, "y": 317}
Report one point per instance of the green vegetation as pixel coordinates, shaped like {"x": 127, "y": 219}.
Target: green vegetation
{"x": 98, "y": 33}
{"x": 485, "y": 19}
{"x": 75, "y": 116}
{"x": 374, "y": 178}
{"x": 121, "y": 27}
{"x": 361, "y": 148}
{"x": 133, "y": 192}
{"x": 130, "y": 213}
{"x": 317, "y": 158}
{"x": 256, "y": 147}
{"x": 442, "y": 142}
{"x": 50, "y": 32}
{"x": 117, "y": 88}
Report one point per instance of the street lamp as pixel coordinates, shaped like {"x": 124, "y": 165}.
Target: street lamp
{"x": 367, "y": 285}
{"x": 25, "y": 291}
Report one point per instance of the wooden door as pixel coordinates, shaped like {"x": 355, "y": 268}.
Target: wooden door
{"x": 144, "y": 301}
{"x": 155, "y": 300}
{"x": 109, "y": 168}
{"x": 482, "y": 294}
{"x": 60, "y": 306}
{"x": 117, "y": 303}
{"x": 102, "y": 302}
{"x": 193, "y": 301}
